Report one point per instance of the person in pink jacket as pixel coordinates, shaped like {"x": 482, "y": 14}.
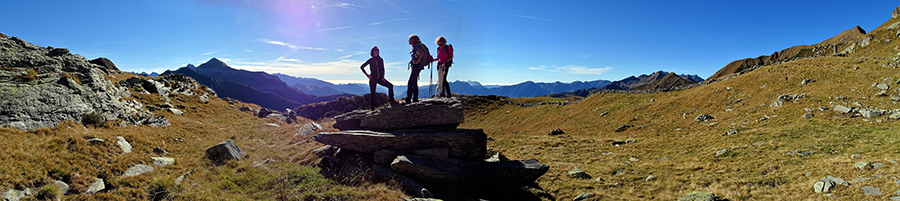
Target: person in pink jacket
{"x": 444, "y": 59}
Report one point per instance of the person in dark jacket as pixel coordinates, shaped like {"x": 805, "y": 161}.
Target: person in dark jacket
{"x": 376, "y": 65}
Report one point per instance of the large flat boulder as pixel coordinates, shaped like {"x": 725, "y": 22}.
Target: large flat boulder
{"x": 469, "y": 172}
{"x": 225, "y": 151}
{"x": 461, "y": 143}
{"x": 445, "y": 112}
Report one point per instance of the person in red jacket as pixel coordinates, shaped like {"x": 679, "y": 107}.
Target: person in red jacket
{"x": 376, "y": 64}
{"x": 444, "y": 59}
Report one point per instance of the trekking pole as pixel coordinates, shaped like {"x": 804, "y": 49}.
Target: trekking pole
{"x": 430, "y": 80}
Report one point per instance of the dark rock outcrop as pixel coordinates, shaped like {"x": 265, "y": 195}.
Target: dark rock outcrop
{"x": 105, "y": 63}
{"x": 462, "y": 143}
{"x": 224, "y": 152}
{"x": 445, "y": 112}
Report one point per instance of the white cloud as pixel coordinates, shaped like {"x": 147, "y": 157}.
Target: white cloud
{"x": 524, "y": 16}
{"x": 353, "y": 54}
{"x": 288, "y": 45}
{"x": 297, "y": 67}
{"x": 572, "y": 69}
{"x": 332, "y": 29}
{"x": 386, "y": 21}
{"x": 281, "y": 58}
{"x": 350, "y": 6}
{"x": 246, "y": 50}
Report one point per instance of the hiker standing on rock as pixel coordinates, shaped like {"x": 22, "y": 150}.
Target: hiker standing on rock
{"x": 444, "y": 59}
{"x": 420, "y": 58}
{"x": 376, "y": 64}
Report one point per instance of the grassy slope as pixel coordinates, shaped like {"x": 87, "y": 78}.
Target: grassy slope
{"x": 35, "y": 158}
{"x": 761, "y": 172}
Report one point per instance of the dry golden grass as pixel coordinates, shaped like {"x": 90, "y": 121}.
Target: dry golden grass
{"x": 33, "y": 159}
{"x": 680, "y": 152}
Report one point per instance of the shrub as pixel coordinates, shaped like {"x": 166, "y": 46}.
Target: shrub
{"x": 48, "y": 192}
{"x": 162, "y": 189}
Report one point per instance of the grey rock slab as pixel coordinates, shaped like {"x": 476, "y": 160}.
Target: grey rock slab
{"x": 556, "y": 131}
{"x": 461, "y": 143}
{"x": 175, "y": 111}
{"x": 869, "y": 190}
{"x": 162, "y": 161}
{"x": 860, "y": 179}
{"x": 882, "y": 86}
{"x": 16, "y": 195}
{"x": 578, "y": 174}
{"x": 447, "y": 112}
{"x": 583, "y": 196}
{"x": 867, "y": 113}
{"x": 472, "y": 172}
{"x": 96, "y": 141}
{"x": 138, "y": 169}
{"x": 623, "y": 127}
{"x": 95, "y": 187}
{"x": 822, "y": 186}
{"x": 126, "y": 147}
{"x": 497, "y": 157}
{"x": 225, "y": 151}
{"x": 63, "y": 187}
{"x": 843, "y": 109}
{"x": 862, "y": 165}
{"x": 877, "y": 165}
{"x": 309, "y": 129}
{"x": 326, "y": 150}
{"x": 160, "y": 150}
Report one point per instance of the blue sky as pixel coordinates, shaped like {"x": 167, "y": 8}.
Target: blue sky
{"x": 497, "y": 42}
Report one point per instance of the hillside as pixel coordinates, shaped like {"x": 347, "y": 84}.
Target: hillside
{"x": 524, "y": 89}
{"x": 321, "y": 88}
{"x": 238, "y": 91}
{"x": 772, "y": 133}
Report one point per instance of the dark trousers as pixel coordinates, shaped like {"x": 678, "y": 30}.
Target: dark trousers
{"x": 412, "y": 90}
{"x": 383, "y": 82}
{"x": 445, "y": 92}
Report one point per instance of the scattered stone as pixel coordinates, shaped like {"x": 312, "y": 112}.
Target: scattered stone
{"x": 730, "y": 132}
{"x": 138, "y": 170}
{"x": 862, "y": 165}
{"x": 881, "y": 93}
{"x": 224, "y": 151}
{"x": 630, "y": 141}
{"x": 97, "y": 186}
{"x": 843, "y": 109}
{"x": 651, "y": 177}
{"x": 617, "y": 143}
{"x": 160, "y": 150}
{"x": 781, "y": 99}
{"x": 497, "y": 157}
{"x": 162, "y": 161}
{"x": 805, "y": 81}
{"x": 824, "y": 109}
{"x": 309, "y": 129}
{"x": 869, "y": 190}
{"x": 882, "y": 86}
{"x": 582, "y": 197}
{"x": 123, "y": 144}
{"x": 16, "y": 195}
{"x": 808, "y": 115}
{"x": 175, "y": 111}
{"x": 329, "y": 150}
{"x": 854, "y": 156}
{"x": 868, "y": 113}
{"x": 263, "y": 162}
{"x": 699, "y": 196}
{"x": 809, "y": 110}
{"x": 860, "y": 179}
{"x": 271, "y": 124}
{"x": 765, "y": 117}
{"x": 63, "y": 187}
{"x": 703, "y": 117}
{"x": 246, "y": 109}
{"x": 96, "y": 141}
{"x": 895, "y": 116}
{"x": 623, "y": 127}
{"x": 877, "y": 165}
{"x": 721, "y": 152}
{"x": 578, "y": 174}
{"x": 826, "y": 183}
{"x": 557, "y": 132}
{"x": 662, "y": 158}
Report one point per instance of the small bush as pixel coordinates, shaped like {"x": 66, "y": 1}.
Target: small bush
{"x": 92, "y": 119}
{"x": 48, "y": 192}
{"x": 162, "y": 189}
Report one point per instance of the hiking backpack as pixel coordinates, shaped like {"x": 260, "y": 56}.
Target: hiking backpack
{"x": 426, "y": 58}
{"x": 447, "y": 51}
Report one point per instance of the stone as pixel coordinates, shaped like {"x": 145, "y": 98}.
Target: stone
{"x": 882, "y": 86}
{"x": 16, "y": 195}
{"x": 263, "y": 162}
{"x": 781, "y": 99}
{"x": 95, "y": 187}
{"x": 895, "y": 116}
{"x": 651, "y": 177}
{"x": 469, "y": 172}
{"x": 96, "y": 141}
{"x": 175, "y": 111}
{"x": 843, "y": 109}
{"x": 272, "y": 125}
{"x": 578, "y": 174}
{"x": 461, "y": 143}
{"x": 877, "y": 165}
{"x": 327, "y": 150}
{"x": 896, "y": 13}
{"x": 556, "y": 132}
{"x": 807, "y": 115}
{"x": 224, "y": 151}
{"x": 869, "y": 190}
{"x": 703, "y": 117}
{"x": 824, "y": 109}
{"x": 721, "y": 152}
{"x": 699, "y": 196}
{"x": 805, "y": 81}
{"x": 160, "y": 150}
{"x": 263, "y": 112}
{"x": 308, "y": 129}
{"x": 276, "y": 116}
{"x": 860, "y": 179}
{"x": 138, "y": 169}
{"x": 497, "y": 157}
{"x": 582, "y": 197}
{"x": 730, "y": 132}
{"x": 881, "y": 93}
{"x": 862, "y": 165}
{"x": 246, "y": 109}
{"x": 822, "y": 186}
{"x": 445, "y": 112}
{"x": 437, "y": 152}
{"x": 623, "y": 127}
{"x": 105, "y": 63}
{"x": 384, "y": 156}
{"x": 63, "y": 187}
{"x": 162, "y": 161}
{"x": 630, "y": 141}
{"x": 126, "y": 147}
{"x": 867, "y": 113}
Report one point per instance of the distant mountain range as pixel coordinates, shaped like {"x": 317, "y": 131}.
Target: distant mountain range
{"x": 254, "y": 87}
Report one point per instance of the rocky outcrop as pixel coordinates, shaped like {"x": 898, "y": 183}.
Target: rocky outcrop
{"x": 427, "y": 158}
{"x": 225, "y": 151}
{"x": 339, "y": 106}
{"x": 445, "y": 112}
{"x": 895, "y": 13}
{"x": 105, "y": 63}
{"x": 41, "y": 87}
